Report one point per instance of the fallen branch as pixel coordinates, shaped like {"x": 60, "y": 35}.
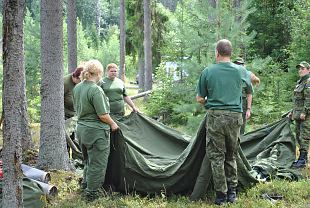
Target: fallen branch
{"x": 142, "y": 94}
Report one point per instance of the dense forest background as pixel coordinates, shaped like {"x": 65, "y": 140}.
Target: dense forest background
{"x": 271, "y": 35}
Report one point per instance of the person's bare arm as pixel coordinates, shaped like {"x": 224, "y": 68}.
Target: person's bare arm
{"x": 249, "y": 106}
{"x": 107, "y": 119}
{"x": 131, "y": 104}
{"x": 254, "y": 79}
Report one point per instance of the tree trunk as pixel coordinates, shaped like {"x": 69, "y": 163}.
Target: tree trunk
{"x": 53, "y": 150}
{"x": 13, "y": 101}
{"x": 72, "y": 42}
{"x": 141, "y": 66}
{"x": 147, "y": 45}
{"x": 27, "y": 142}
{"x": 122, "y": 40}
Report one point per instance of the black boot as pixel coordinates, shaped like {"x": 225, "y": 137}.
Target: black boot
{"x": 220, "y": 198}
{"x": 302, "y": 160}
{"x": 231, "y": 194}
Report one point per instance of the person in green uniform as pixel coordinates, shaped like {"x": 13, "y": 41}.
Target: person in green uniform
{"x": 70, "y": 81}
{"x": 93, "y": 127}
{"x": 247, "y": 96}
{"x": 301, "y": 114}
{"x": 219, "y": 90}
{"x": 115, "y": 90}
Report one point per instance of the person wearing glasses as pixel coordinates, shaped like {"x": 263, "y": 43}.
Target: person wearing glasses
{"x": 301, "y": 113}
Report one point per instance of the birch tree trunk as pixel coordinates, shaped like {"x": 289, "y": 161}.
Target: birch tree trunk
{"x": 53, "y": 152}
{"x": 13, "y": 101}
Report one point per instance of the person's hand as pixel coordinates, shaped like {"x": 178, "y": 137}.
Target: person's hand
{"x": 114, "y": 127}
{"x": 290, "y": 115}
{"x": 248, "y": 114}
{"x": 136, "y": 110}
{"x": 200, "y": 100}
{"x": 256, "y": 81}
{"x": 302, "y": 116}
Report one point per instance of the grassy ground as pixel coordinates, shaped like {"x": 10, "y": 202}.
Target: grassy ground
{"x": 294, "y": 194}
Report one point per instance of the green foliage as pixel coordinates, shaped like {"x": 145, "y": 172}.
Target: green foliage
{"x": 273, "y": 97}
{"x": 272, "y": 22}
{"x": 196, "y": 26}
{"x": 32, "y": 66}
{"x": 172, "y": 101}
{"x": 299, "y": 46}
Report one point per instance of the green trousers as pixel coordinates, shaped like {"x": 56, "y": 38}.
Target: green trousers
{"x": 223, "y": 131}
{"x": 95, "y": 156}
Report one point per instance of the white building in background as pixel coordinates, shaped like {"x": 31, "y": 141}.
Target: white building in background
{"x": 173, "y": 70}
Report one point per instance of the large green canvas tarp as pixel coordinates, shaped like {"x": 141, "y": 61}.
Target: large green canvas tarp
{"x": 149, "y": 157}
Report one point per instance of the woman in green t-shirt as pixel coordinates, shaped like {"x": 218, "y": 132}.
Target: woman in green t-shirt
{"x": 115, "y": 90}
{"x": 93, "y": 127}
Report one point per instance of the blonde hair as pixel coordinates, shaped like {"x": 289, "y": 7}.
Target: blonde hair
{"x": 92, "y": 68}
{"x": 111, "y": 66}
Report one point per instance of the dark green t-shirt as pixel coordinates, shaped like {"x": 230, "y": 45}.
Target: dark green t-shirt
{"x": 68, "y": 96}
{"x": 115, "y": 90}
{"x": 90, "y": 102}
{"x": 222, "y": 85}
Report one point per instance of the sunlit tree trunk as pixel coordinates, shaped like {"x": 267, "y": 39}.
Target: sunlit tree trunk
{"x": 13, "y": 101}
{"x": 53, "y": 152}
{"x": 72, "y": 36}
{"x": 147, "y": 45}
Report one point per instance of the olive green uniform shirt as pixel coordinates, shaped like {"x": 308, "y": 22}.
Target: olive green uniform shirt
{"x": 222, "y": 85}
{"x": 90, "y": 102}
{"x": 68, "y": 96}
{"x": 115, "y": 91}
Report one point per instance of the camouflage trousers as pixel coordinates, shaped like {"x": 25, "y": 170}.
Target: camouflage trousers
{"x": 303, "y": 133}
{"x": 223, "y": 131}
{"x": 242, "y": 128}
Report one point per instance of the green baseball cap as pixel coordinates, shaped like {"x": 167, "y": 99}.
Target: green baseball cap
{"x": 239, "y": 60}
{"x": 303, "y": 64}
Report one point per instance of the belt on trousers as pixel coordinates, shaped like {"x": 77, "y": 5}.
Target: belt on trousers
{"x": 222, "y": 111}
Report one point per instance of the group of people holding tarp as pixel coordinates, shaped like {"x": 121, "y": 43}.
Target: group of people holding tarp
{"x": 93, "y": 100}
{"x": 219, "y": 90}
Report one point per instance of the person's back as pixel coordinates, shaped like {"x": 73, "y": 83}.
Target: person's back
{"x": 84, "y": 94}
{"x": 219, "y": 90}
{"x": 224, "y": 87}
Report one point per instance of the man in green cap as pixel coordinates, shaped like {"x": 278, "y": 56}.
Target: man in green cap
{"x": 247, "y": 95}
{"x": 301, "y": 113}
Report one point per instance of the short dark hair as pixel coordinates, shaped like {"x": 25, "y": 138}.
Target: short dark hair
{"x": 77, "y": 72}
{"x": 224, "y": 47}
